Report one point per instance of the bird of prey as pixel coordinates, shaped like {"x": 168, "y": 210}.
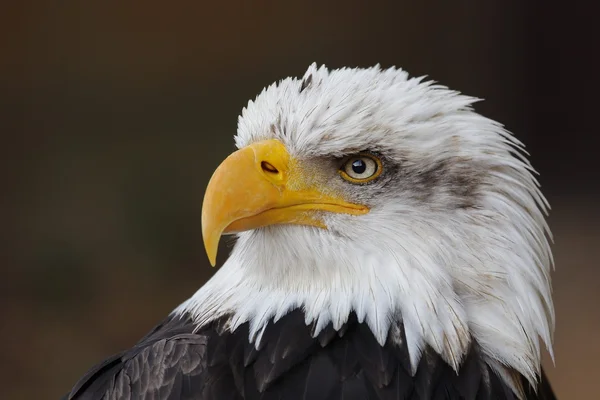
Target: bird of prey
{"x": 391, "y": 244}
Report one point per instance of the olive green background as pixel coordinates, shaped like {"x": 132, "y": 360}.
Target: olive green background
{"x": 113, "y": 115}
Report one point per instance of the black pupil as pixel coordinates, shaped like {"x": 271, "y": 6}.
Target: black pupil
{"x": 359, "y": 166}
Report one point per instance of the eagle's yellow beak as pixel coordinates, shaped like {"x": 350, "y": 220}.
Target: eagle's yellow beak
{"x": 262, "y": 185}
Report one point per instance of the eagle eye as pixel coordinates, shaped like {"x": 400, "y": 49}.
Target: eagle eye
{"x": 361, "y": 168}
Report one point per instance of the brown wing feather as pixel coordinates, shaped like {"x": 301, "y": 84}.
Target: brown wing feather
{"x": 175, "y": 362}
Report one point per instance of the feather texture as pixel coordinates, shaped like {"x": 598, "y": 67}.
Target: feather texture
{"x": 177, "y": 362}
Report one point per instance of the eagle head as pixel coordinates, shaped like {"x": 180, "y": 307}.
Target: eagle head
{"x": 368, "y": 191}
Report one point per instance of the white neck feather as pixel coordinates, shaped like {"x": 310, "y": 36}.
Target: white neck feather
{"x": 449, "y": 285}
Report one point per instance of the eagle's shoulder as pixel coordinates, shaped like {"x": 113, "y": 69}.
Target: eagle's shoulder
{"x": 168, "y": 363}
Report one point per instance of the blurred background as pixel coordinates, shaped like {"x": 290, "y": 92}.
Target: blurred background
{"x": 115, "y": 113}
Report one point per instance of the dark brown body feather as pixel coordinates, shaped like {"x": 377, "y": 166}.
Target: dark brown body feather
{"x": 174, "y": 362}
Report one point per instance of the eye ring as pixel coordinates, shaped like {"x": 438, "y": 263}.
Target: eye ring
{"x": 361, "y": 168}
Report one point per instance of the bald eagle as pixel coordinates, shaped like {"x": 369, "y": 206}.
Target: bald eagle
{"x": 391, "y": 244}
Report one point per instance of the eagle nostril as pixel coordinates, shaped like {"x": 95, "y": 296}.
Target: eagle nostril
{"x": 268, "y": 168}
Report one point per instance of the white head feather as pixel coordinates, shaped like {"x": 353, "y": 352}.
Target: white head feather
{"x": 456, "y": 245}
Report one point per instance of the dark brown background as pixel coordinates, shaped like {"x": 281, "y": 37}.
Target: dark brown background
{"x": 114, "y": 114}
